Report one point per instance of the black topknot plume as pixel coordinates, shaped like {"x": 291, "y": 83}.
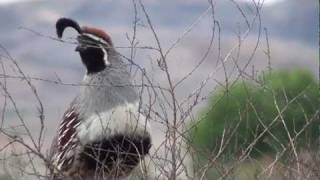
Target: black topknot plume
{"x": 63, "y": 23}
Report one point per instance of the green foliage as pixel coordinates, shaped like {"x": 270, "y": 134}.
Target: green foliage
{"x": 5, "y": 177}
{"x": 247, "y": 108}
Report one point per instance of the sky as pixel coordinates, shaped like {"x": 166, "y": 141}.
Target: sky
{"x": 27, "y": 32}
{"x": 266, "y": 2}
{"x": 6, "y": 2}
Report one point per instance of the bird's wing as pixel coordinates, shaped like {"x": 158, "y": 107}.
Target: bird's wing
{"x": 67, "y": 141}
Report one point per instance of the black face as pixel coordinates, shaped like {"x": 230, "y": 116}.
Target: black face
{"x": 92, "y": 58}
{"x": 92, "y": 55}
{"x": 93, "y": 44}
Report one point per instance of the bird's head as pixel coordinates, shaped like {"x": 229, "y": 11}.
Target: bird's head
{"x": 94, "y": 45}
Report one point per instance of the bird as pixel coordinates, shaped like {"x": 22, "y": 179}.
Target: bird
{"x": 102, "y": 134}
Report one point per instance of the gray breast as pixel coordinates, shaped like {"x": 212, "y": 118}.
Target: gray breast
{"x": 104, "y": 90}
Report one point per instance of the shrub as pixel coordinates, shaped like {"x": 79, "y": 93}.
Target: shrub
{"x": 249, "y": 111}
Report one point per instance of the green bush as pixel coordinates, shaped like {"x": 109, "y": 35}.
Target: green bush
{"x": 247, "y": 107}
{"x": 5, "y": 177}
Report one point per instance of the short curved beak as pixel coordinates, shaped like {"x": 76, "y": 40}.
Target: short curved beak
{"x": 79, "y": 48}
{"x": 82, "y": 43}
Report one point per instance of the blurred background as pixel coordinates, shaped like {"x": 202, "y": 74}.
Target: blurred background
{"x": 27, "y": 32}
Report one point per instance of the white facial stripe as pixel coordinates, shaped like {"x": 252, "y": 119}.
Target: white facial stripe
{"x": 96, "y": 38}
{"x": 105, "y": 57}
